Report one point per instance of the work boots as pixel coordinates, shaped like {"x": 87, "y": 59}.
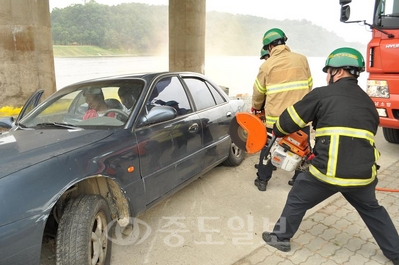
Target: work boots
{"x": 292, "y": 181}
{"x": 261, "y": 184}
{"x": 272, "y": 240}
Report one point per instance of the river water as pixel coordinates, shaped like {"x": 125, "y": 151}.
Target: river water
{"x": 238, "y": 73}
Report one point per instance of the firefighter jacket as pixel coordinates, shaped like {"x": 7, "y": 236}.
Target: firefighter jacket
{"x": 345, "y": 120}
{"x": 283, "y": 79}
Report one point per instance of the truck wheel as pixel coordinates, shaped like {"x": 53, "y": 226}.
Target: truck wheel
{"x": 236, "y": 156}
{"x": 82, "y": 232}
{"x": 391, "y": 135}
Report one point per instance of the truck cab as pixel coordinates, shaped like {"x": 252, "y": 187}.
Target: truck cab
{"x": 382, "y": 58}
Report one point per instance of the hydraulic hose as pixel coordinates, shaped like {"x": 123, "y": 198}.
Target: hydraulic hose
{"x": 386, "y": 189}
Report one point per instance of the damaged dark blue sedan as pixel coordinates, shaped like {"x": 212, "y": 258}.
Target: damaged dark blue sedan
{"x": 103, "y": 151}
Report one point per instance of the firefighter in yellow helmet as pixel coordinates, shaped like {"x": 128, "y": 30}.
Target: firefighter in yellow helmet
{"x": 346, "y": 121}
{"x": 283, "y": 79}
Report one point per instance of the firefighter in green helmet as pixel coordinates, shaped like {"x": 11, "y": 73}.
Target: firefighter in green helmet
{"x": 264, "y": 54}
{"x": 346, "y": 58}
{"x": 345, "y": 121}
{"x": 283, "y": 79}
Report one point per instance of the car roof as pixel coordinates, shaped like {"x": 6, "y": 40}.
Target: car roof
{"x": 146, "y": 76}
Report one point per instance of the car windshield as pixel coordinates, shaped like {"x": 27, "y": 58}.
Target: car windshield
{"x": 106, "y": 103}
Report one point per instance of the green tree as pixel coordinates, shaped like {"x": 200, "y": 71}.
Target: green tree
{"x": 142, "y": 29}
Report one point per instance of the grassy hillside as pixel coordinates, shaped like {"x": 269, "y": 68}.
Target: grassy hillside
{"x": 85, "y": 51}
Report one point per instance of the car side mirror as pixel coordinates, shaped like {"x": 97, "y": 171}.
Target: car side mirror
{"x": 158, "y": 114}
{"x": 6, "y": 123}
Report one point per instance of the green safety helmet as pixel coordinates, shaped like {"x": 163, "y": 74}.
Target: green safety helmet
{"x": 274, "y": 35}
{"x": 264, "y": 53}
{"x": 346, "y": 58}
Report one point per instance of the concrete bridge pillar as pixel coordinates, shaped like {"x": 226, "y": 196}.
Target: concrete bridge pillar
{"x": 187, "y": 21}
{"x": 26, "y": 51}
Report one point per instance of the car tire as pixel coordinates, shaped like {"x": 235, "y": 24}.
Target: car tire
{"x": 82, "y": 232}
{"x": 391, "y": 135}
{"x": 235, "y": 158}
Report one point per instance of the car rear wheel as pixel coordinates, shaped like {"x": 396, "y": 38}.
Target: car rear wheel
{"x": 391, "y": 135}
{"x": 82, "y": 232}
{"x": 236, "y": 156}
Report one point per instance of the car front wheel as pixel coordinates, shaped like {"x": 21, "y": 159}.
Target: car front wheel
{"x": 82, "y": 232}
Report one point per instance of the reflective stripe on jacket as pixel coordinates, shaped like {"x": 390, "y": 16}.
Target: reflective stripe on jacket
{"x": 282, "y": 80}
{"x": 346, "y": 121}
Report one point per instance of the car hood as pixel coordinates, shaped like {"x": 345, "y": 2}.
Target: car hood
{"x": 23, "y": 148}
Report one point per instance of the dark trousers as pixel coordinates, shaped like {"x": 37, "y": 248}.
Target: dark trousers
{"x": 308, "y": 192}
{"x": 265, "y": 171}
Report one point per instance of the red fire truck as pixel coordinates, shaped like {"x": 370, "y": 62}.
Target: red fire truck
{"x": 382, "y": 63}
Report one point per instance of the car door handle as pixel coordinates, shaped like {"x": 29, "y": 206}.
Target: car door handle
{"x": 228, "y": 114}
{"x": 193, "y": 128}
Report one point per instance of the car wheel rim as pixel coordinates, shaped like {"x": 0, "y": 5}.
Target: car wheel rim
{"x": 99, "y": 240}
{"x": 235, "y": 150}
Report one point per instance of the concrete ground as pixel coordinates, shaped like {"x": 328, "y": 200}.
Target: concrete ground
{"x": 219, "y": 219}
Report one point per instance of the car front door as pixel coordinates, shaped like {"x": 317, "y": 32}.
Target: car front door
{"x": 169, "y": 151}
{"x": 30, "y": 104}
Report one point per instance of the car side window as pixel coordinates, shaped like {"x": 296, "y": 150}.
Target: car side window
{"x": 218, "y": 98}
{"x": 201, "y": 92}
{"x": 170, "y": 92}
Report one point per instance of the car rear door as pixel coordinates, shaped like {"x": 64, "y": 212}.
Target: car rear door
{"x": 215, "y": 114}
